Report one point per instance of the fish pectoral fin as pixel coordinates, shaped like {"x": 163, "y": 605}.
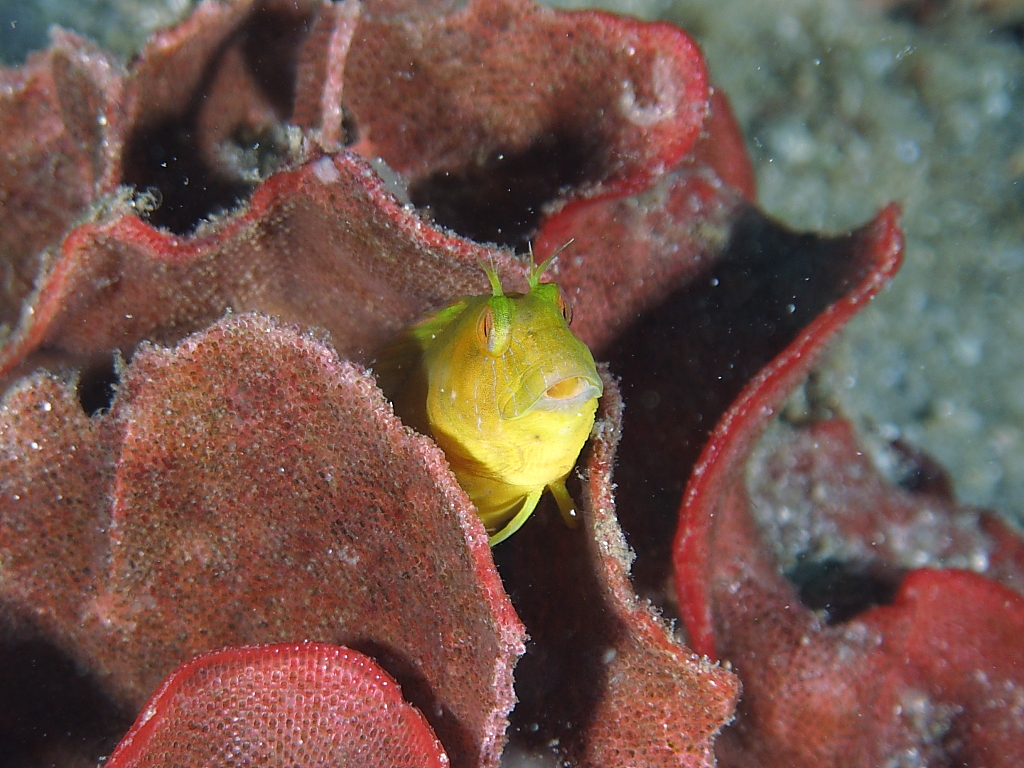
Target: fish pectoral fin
{"x": 520, "y": 517}
{"x": 570, "y": 513}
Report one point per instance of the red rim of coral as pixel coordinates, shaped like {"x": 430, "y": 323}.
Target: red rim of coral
{"x": 719, "y": 146}
{"x": 697, "y": 94}
{"x": 157, "y": 712}
{"x": 744, "y": 419}
{"x": 670, "y": 135}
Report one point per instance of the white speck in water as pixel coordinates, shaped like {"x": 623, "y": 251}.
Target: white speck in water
{"x": 793, "y": 142}
{"x": 788, "y": 27}
{"x": 967, "y": 350}
{"x": 907, "y": 151}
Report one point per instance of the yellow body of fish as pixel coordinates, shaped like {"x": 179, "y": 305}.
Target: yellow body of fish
{"x": 506, "y": 390}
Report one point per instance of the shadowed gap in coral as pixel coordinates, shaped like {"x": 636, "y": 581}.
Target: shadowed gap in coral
{"x": 683, "y": 364}
{"x": 841, "y": 590}
{"x": 502, "y": 200}
{"x": 195, "y": 176}
{"x": 97, "y": 385}
{"x": 416, "y": 689}
{"x": 51, "y": 712}
{"x": 547, "y": 570}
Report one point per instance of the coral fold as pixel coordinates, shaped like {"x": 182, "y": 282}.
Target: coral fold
{"x": 890, "y": 663}
{"x": 249, "y": 487}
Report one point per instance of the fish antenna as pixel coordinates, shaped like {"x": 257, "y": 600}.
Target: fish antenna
{"x": 537, "y": 271}
{"x": 491, "y": 270}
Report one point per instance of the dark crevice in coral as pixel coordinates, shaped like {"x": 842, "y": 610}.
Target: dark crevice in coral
{"x": 164, "y": 159}
{"x": 97, "y": 385}
{"x": 270, "y": 43}
{"x": 416, "y": 689}
{"x": 195, "y": 176}
{"x": 841, "y": 590}
{"x": 551, "y": 579}
{"x": 684, "y": 363}
{"x": 917, "y": 472}
{"x": 51, "y": 713}
{"x": 349, "y": 127}
{"x": 502, "y": 200}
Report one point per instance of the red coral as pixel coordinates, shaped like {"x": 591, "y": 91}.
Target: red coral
{"x": 818, "y": 498}
{"x": 251, "y": 465}
{"x": 910, "y": 678}
{"x": 193, "y": 450}
{"x": 249, "y": 486}
{"x": 468, "y": 101}
{"x": 934, "y": 676}
{"x": 301, "y": 705}
{"x": 962, "y": 643}
{"x": 53, "y": 156}
{"x": 877, "y": 250}
{"x": 179, "y": 122}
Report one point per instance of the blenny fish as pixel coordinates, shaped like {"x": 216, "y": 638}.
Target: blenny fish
{"x": 507, "y": 391}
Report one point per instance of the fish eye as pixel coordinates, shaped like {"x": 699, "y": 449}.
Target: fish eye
{"x": 494, "y": 327}
{"x": 565, "y": 308}
{"x": 485, "y": 327}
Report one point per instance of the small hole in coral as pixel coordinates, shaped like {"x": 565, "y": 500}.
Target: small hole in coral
{"x": 97, "y": 386}
{"x": 917, "y": 472}
{"x": 841, "y": 589}
{"x": 502, "y": 200}
{"x": 349, "y": 126}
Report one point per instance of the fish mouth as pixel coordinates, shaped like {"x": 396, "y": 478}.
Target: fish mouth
{"x": 551, "y": 390}
{"x": 567, "y": 389}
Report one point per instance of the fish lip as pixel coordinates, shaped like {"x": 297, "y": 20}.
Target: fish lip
{"x": 536, "y": 381}
{"x": 587, "y": 393}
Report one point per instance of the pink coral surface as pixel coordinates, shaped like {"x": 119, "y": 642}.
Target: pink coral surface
{"x": 302, "y": 704}
{"x": 246, "y": 483}
{"x": 252, "y": 465}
